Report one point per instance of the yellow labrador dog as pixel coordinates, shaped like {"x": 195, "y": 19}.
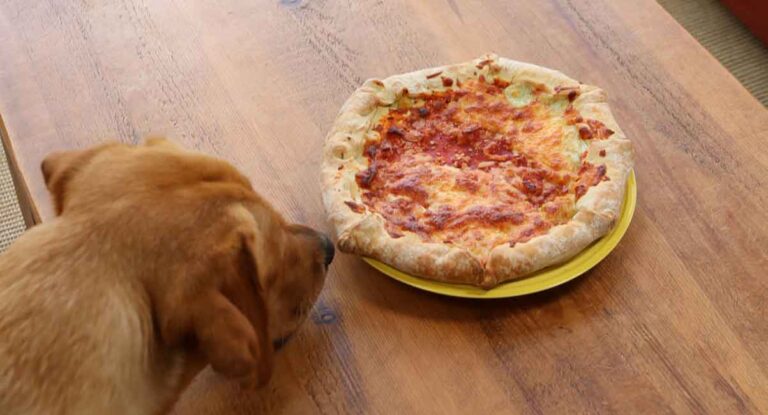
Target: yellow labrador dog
{"x": 159, "y": 262}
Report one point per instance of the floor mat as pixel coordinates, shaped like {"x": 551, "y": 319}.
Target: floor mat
{"x": 727, "y": 39}
{"x": 11, "y": 221}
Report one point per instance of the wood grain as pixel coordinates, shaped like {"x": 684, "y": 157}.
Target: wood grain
{"x": 674, "y": 321}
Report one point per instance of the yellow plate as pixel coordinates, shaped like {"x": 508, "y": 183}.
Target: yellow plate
{"x": 540, "y": 280}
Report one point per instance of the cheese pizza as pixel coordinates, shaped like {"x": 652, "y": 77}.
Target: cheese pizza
{"x": 475, "y": 173}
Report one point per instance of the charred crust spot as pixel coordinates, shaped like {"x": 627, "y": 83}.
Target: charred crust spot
{"x": 434, "y": 75}
{"x": 393, "y": 130}
{"x": 365, "y": 177}
{"x": 580, "y": 191}
{"x": 572, "y": 92}
{"x": 498, "y": 82}
{"x": 601, "y": 153}
{"x": 470, "y": 129}
{"x": 585, "y": 133}
{"x": 539, "y": 89}
{"x": 601, "y": 170}
{"x": 483, "y": 63}
{"x": 599, "y": 130}
{"x": 521, "y": 114}
{"x": 355, "y": 207}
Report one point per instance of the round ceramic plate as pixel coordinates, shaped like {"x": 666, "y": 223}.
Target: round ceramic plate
{"x": 539, "y": 281}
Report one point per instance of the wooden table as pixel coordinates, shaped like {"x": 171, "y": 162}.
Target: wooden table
{"x": 675, "y": 320}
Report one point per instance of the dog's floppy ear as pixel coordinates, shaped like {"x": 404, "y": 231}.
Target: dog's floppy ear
{"x": 59, "y": 168}
{"x": 158, "y": 141}
{"x": 220, "y": 309}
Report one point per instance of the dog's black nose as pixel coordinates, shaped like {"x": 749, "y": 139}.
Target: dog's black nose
{"x": 330, "y": 250}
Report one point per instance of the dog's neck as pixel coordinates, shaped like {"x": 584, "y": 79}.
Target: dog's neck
{"x": 113, "y": 258}
{"x": 82, "y": 282}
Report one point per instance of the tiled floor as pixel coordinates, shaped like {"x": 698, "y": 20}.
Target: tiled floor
{"x": 707, "y": 20}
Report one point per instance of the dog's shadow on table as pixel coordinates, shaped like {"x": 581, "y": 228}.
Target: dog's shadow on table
{"x": 313, "y": 362}
{"x": 212, "y": 394}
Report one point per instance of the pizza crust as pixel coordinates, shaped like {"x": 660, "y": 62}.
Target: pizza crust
{"x": 362, "y": 232}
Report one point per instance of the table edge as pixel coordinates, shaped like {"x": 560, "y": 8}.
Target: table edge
{"x": 28, "y": 210}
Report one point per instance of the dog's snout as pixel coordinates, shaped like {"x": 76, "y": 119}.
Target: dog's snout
{"x": 329, "y": 249}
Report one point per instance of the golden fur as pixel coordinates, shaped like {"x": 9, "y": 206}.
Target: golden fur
{"x": 160, "y": 261}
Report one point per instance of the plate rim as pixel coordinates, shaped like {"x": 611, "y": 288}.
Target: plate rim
{"x": 541, "y": 280}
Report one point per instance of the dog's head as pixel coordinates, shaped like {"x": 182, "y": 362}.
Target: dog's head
{"x": 226, "y": 276}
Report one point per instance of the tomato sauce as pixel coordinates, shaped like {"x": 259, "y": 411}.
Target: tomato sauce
{"x": 473, "y": 128}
